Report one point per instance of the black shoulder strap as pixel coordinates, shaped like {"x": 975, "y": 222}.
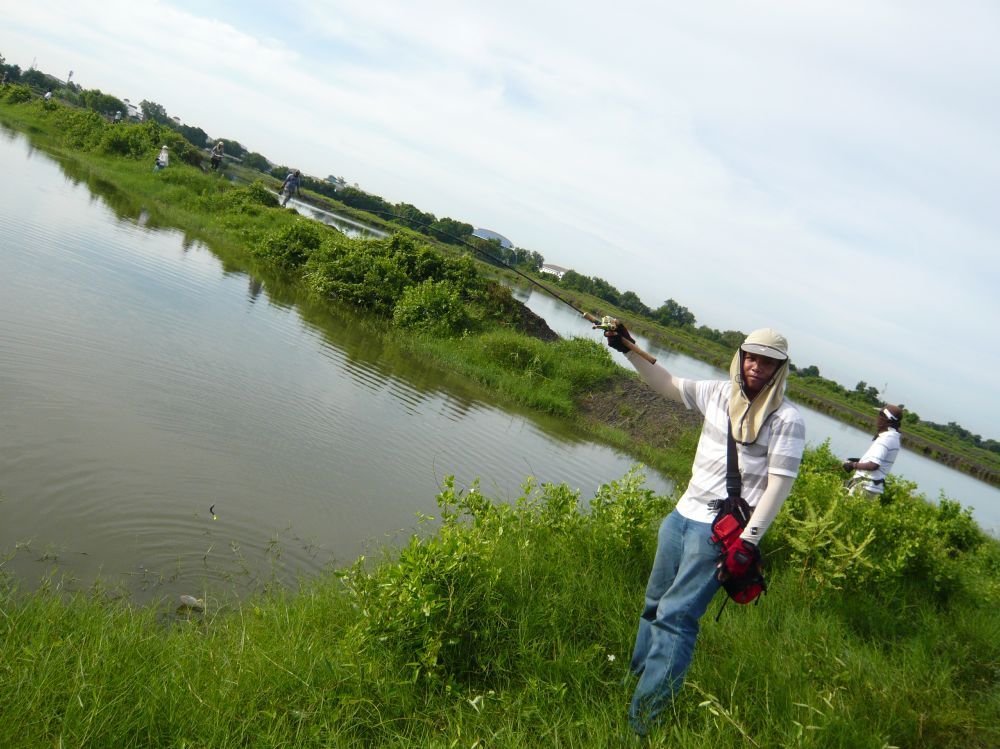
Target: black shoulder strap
{"x": 734, "y": 484}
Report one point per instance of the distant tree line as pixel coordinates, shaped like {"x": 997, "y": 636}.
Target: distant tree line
{"x": 670, "y": 314}
{"x": 40, "y": 83}
{"x": 514, "y": 256}
{"x": 964, "y": 435}
{"x": 152, "y": 111}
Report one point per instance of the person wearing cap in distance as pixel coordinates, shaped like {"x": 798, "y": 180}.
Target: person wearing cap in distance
{"x": 162, "y": 159}
{"x": 217, "y": 151}
{"x": 769, "y": 433}
{"x": 872, "y": 468}
{"x": 290, "y": 186}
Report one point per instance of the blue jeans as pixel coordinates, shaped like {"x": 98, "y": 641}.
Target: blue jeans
{"x": 681, "y": 585}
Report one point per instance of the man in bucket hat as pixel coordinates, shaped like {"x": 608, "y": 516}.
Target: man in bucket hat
{"x": 769, "y": 435}
{"x": 872, "y": 468}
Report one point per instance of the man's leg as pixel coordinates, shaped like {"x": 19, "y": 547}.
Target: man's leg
{"x": 668, "y": 556}
{"x": 673, "y": 630}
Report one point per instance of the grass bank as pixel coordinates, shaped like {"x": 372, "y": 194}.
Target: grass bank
{"x": 511, "y": 626}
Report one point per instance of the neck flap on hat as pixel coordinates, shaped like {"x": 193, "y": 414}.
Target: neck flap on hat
{"x": 746, "y": 416}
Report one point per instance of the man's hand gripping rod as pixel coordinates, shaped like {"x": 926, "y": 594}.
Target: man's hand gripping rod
{"x": 610, "y": 323}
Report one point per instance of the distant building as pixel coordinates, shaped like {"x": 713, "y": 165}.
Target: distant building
{"x": 556, "y": 270}
{"x": 339, "y": 183}
{"x": 487, "y": 234}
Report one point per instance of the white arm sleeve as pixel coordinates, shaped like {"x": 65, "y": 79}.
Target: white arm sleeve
{"x": 656, "y": 377}
{"x": 778, "y": 489}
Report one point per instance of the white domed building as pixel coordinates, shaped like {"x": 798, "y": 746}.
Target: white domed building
{"x": 488, "y": 234}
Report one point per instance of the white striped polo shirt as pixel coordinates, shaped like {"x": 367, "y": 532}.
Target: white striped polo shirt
{"x": 778, "y": 449}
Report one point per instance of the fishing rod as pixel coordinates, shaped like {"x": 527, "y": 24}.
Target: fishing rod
{"x": 604, "y": 323}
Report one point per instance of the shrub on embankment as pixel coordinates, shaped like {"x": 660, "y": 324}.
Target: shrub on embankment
{"x": 510, "y": 625}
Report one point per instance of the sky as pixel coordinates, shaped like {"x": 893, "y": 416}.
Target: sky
{"x": 822, "y": 168}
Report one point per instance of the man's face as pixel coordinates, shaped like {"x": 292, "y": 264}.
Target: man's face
{"x": 757, "y": 372}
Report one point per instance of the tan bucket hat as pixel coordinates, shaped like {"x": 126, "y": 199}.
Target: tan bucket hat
{"x": 766, "y": 342}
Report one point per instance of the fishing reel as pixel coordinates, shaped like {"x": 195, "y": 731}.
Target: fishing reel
{"x": 607, "y": 323}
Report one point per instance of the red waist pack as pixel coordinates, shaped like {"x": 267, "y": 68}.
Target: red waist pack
{"x": 733, "y": 516}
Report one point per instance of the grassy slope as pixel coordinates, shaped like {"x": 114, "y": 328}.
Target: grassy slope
{"x": 511, "y": 627}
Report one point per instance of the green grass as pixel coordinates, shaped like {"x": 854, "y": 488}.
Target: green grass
{"x": 510, "y": 625}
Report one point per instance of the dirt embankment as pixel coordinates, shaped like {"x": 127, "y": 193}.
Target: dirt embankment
{"x": 627, "y": 403}
{"x": 532, "y": 324}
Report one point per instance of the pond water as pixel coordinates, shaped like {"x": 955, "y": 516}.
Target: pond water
{"x": 344, "y": 224}
{"x": 932, "y": 477}
{"x": 145, "y": 380}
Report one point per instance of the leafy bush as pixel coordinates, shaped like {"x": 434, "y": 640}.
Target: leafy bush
{"x": 838, "y": 540}
{"x": 621, "y": 514}
{"x": 257, "y": 193}
{"x": 960, "y": 532}
{"x": 131, "y": 141}
{"x": 374, "y": 274}
{"x": 249, "y": 199}
{"x": 438, "y": 603}
{"x": 289, "y": 247}
{"x": 454, "y": 605}
{"x": 462, "y": 272}
{"x": 431, "y": 307}
{"x": 16, "y": 94}
{"x": 419, "y": 262}
{"x": 357, "y": 272}
{"x": 80, "y": 128}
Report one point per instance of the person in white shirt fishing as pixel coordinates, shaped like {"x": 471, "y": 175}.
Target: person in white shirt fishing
{"x": 871, "y": 468}
{"x": 218, "y": 150}
{"x": 290, "y": 186}
{"x": 162, "y": 159}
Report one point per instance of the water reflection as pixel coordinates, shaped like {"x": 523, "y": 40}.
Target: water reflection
{"x": 344, "y": 224}
{"x": 121, "y": 203}
{"x": 255, "y": 288}
{"x": 8, "y": 133}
